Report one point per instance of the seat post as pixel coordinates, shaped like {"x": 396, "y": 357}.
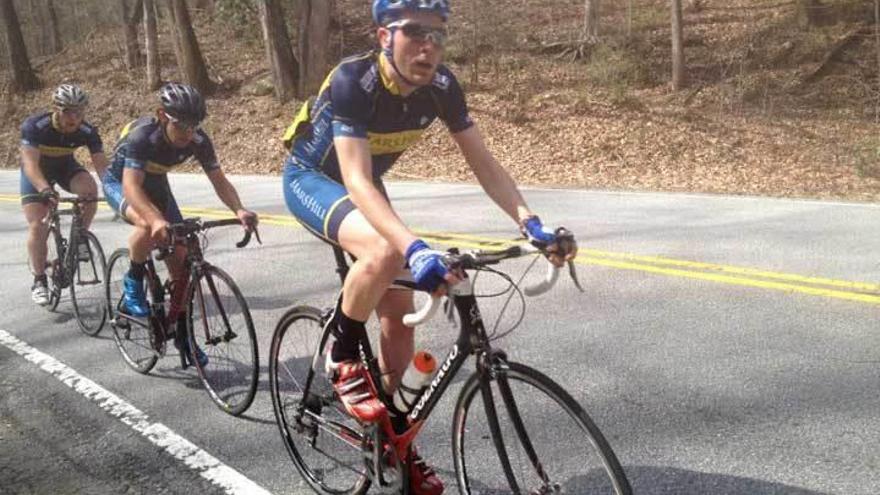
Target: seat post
{"x": 341, "y": 263}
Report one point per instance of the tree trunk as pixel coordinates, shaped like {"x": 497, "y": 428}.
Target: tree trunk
{"x": 130, "y": 20}
{"x": 206, "y": 5}
{"x": 56, "y": 44}
{"x": 810, "y": 12}
{"x": 23, "y": 77}
{"x": 678, "y": 69}
{"x": 314, "y": 38}
{"x": 151, "y": 44}
{"x": 191, "y": 63}
{"x": 285, "y": 68}
{"x": 591, "y": 19}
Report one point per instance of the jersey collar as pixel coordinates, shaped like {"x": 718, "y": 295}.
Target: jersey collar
{"x": 388, "y": 82}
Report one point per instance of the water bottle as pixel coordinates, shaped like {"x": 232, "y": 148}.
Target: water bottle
{"x": 415, "y": 379}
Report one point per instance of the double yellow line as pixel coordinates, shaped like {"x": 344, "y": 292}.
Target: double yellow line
{"x": 731, "y": 275}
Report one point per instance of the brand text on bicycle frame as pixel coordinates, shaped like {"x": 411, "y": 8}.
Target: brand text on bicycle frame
{"x": 435, "y": 383}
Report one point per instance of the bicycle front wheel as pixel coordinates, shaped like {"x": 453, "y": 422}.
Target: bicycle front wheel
{"x": 542, "y": 440}
{"x": 132, "y": 336}
{"x": 220, "y": 325}
{"x": 321, "y": 438}
{"x": 87, "y": 286}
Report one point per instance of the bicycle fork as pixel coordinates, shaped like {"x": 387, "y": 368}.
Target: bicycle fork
{"x": 492, "y": 368}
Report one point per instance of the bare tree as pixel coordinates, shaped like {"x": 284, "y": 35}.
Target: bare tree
{"x": 205, "y": 5}
{"x": 591, "y": 19}
{"x": 130, "y": 20}
{"x": 314, "y": 38}
{"x": 23, "y": 77}
{"x": 678, "y": 69}
{"x": 151, "y": 42}
{"x": 285, "y": 68}
{"x": 190, "y": 60}
{"x": 56, "y": 44}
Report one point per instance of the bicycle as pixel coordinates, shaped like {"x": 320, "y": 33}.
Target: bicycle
{"x": 82, "y": 271}
{"x": 337, "y": 455}
{"x": 215, "y": 319}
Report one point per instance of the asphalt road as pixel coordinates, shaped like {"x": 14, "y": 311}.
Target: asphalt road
{"x": 724, "y": 345}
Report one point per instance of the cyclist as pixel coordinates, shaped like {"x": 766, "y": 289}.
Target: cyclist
{"x": 136, "y": 186}
{"x": 48, "y": 141}
{"x": 369, "y": 110}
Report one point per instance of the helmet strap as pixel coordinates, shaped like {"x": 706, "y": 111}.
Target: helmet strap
{"x": 389, "y": 53}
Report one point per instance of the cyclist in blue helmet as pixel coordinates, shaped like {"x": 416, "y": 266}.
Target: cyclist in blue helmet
{"x": 368, "y": 112}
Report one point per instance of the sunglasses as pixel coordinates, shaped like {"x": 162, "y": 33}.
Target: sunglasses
{"x": 421, "y": 33}
{"x": 182, "y": 124}
{"x": 73, "y": 112}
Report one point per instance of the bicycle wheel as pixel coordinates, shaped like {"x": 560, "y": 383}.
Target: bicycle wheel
{"x": 554, "y": 448}
{"x": 132, "y": 336}
{"x": 55, "y": 273}
{"x": 220, "y": 325}
{"x": 87, "y": 286}
{"x": 321, "y": 438}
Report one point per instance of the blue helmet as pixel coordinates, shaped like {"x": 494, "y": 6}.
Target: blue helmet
{"x": 386, "y": 11}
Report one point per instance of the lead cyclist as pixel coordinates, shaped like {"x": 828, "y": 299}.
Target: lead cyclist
{"x": 369, "y": 110}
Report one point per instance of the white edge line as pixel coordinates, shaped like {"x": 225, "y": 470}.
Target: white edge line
{"x": 208, "y": 466}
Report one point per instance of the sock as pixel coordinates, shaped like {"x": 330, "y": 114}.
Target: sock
{"x": 137, "y": 270}
{"x": 351, "y": 332}
{"x": 40, "y": 279}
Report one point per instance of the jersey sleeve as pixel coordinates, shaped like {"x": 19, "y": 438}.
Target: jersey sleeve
{"x": 205, "y": 154}
{"x": 137, "y": 152}
{"x": 455, "y": 113}
{"x": 351, "y": 105}
{"x": 29, "y": 135}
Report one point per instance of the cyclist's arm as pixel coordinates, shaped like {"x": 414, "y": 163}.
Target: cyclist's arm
{"x": 491, "y": 175}
{"x": 133, "y": 190}
{"x": 99, "y": 161}
{"x": 356, "y": 167}
{"x": 30, "y": 162}
{"x": 225, "y": 190}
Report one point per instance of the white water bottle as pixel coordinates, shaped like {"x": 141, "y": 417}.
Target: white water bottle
{"x": 415, "y": 379}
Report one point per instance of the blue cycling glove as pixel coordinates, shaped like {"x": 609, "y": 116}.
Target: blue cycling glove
{"x": 427, "y": 266}
{"x": 538, "y": 235}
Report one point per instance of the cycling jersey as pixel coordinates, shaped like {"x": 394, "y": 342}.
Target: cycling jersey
{"x": 357, "y": 100}
{"x": 56, "y": 149}
{"x": 143, "y": 146}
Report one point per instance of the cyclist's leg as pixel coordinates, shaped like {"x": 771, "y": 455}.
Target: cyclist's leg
{"x": 396, "y": 341}
{"x": 176, "y": 263}
{"x": 138, "y": 244}
{"x": 79, "y": 181}
{"x": 34, "y": 213}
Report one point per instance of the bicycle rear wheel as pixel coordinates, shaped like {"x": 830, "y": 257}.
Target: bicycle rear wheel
{"x": 55, "y": 272}
{"x": 321, "y": 438}
{"x": 553, "y": 448}
{"x": 220, "y": 325}
{"x": 132, "y": 336}
{"x": 87, "y": 286}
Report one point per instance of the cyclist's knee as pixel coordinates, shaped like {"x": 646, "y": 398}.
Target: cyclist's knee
{"x": 382, "y": 258}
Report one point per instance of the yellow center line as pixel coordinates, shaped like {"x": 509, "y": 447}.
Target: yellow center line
{"x": 732, "y": 275}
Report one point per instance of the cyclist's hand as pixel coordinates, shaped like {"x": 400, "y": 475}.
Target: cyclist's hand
{"x": 247, "y": 218}
{"x": 428, "y": 269}
{"x": 558, "y": 245}
{"x": 159, "y": 232}
{"x": 49, "y": 197}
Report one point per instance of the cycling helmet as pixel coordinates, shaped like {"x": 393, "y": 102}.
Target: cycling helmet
{"x": 183, "y": 102}
{"x": 386, "y": 11}
{"x": 69, "y": 96}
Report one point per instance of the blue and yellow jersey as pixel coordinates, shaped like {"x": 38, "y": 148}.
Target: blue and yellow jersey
{"x": 357, "y": 100}
{"x": 143, "y": 146}
{"x": 41, "y": 131}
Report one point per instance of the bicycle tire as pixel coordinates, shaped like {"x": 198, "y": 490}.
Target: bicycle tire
{"x": 54, "y": 267}
{"x": 294, "y": 351}
{"x": 89, "y": 301}
{"x": 232, "y": 371}
{"x": 602, "y": 477}
{"x": 132, "y": 339}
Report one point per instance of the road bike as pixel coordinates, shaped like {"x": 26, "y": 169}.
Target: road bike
{"x": 206, "y": 316}
{"x": 80, "y": 269}
{"x": 542, "y": 440}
